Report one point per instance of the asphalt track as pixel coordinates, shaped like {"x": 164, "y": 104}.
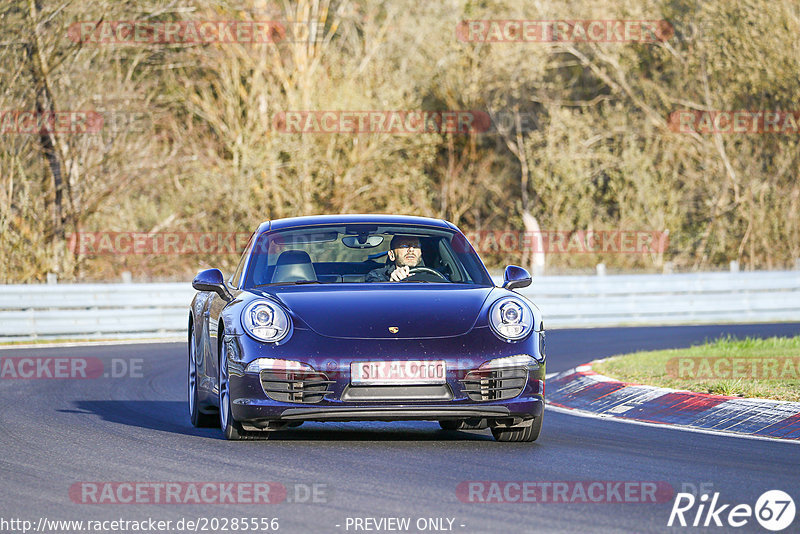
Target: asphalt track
{"x": 56, "y": 433}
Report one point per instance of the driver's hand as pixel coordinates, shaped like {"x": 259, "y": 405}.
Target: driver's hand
{"x": 399, "y": 273}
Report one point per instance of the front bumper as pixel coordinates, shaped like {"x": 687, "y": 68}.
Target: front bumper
{"x": 345, "y": 402}
{"x": 515, "y": 411}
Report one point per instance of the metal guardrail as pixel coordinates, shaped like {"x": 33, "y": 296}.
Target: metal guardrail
{"x": 161, "y": 310}
{"x": 93, "y": 310}
{"x": 577, "y": 301}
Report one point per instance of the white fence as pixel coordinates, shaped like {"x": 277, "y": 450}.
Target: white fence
{"x": 161, "y": 310}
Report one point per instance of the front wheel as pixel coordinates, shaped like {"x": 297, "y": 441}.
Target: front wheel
{"x": 231, "y": 428}
{"x": 519, "y": 433}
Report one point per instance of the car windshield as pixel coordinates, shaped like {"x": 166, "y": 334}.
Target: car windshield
{"x": 349, "y": 253}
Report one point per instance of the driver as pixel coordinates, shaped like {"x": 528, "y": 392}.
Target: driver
{"x": 404, "y": 253}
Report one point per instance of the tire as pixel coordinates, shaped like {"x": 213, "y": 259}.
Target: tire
{"x": 231, "y": 429}
{"x": 451, "y": 425}
{"x": 519, "y": 433}
{"x": 198, "y": 418}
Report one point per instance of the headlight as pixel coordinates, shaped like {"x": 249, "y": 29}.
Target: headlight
{"x": 266, "y": 321}
{"x": 511, "y": 319}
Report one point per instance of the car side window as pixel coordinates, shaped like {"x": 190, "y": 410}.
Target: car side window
{"x": 449, "y": 263}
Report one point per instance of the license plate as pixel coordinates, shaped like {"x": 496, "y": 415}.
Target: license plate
{"x": 398, "y": 372}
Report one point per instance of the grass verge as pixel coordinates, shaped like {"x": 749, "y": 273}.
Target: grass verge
{"x": 752, "y": 367}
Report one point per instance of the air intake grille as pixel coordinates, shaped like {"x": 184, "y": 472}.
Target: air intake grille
{"x": 295, "y": 386}
{"x": 494, "y": 384}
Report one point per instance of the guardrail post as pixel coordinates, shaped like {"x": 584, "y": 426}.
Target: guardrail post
{"x": 797, "y": 264}
{"x": 52, "y": 278}
{"x": 669, "y": 267}
{"x": 601, "y": 269}
{"x": 734, "y": 266}
{"x": 127, "y": 278}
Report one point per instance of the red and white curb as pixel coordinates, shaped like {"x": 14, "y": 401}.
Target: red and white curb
{"x": 584, "y": 390}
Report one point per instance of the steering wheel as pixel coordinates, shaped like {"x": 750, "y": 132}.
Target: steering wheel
{"x": 425, "y": 270}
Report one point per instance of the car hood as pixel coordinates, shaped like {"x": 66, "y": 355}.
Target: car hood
{"x": 369, "y": 311}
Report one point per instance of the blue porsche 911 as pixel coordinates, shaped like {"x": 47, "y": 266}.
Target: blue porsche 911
{"x": 364, "y": 318}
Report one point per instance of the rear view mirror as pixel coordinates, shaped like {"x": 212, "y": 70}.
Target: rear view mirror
{"x": 515, "y": 277}
{"x": 362, "y": 241}
{"x": 211, "y": 280}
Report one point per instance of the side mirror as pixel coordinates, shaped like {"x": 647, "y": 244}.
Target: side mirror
{"x": 515, "y": 277}
{"x": 212, "y": 280}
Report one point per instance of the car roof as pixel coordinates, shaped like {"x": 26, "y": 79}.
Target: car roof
{"x": 315, "y": 220}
